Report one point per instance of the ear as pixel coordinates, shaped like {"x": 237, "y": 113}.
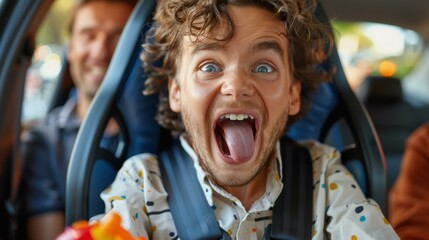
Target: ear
{"x": 295, "y": 98}
{"x": 174, "y": 95}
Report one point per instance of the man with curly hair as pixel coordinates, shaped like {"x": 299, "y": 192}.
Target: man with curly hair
{"x": 238, "y": 72}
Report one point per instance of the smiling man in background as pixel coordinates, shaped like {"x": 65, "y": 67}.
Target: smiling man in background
{"x": 95, "y": 28}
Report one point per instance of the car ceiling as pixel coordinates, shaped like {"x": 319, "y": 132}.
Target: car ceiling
{"x": 411, "y": 14}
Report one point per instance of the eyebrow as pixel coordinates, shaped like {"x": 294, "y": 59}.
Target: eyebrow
{"x": 261, "y": 46}
{"x": 268, "y": 45}
{"x": 213, "y": 46}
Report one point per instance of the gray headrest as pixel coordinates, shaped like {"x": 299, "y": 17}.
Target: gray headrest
{"x": 380, "y": 89}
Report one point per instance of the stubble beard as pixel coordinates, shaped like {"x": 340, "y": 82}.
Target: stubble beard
{"x": 195, "y": 132}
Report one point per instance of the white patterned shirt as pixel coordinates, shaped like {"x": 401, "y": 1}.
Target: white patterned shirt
{"x": 340, "y": 209}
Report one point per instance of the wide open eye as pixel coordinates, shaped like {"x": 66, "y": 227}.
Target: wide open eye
{"x": 210, "y": 68}
{"x": 263, "y": 68}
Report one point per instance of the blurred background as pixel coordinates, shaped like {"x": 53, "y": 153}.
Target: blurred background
{"x": 366, "y": 49}
{"x": 47, "y": 61}
{"x": 386, "y": 67}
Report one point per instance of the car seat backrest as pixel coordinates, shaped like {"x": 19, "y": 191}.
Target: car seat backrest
{"x": 394, "y": 116}
{"x": 339, "y": 119}
{"x": 64, "y": 88}
{"x": 92, "y": 168}
{"x": 378, "y": 89}
{"x": 120, "y": 96}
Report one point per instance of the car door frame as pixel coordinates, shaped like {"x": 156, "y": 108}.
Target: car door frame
{"x": 19, "y": 21}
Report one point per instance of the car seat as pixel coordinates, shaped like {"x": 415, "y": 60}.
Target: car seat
{"x": 65, "y": 87}
{"x": 335, "y": 109}
{"x": 394, "y": 115}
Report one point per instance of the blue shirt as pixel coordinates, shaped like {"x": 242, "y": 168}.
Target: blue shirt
{"x": 45, "y": 167}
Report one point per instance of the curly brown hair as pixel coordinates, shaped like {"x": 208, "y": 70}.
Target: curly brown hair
{"x": 310, "y": 41}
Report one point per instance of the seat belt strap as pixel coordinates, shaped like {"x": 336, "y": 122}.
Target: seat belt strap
{"x": 195, "y": 219}
{"x": 292, "y": 213}
{"x": 193, "y": 216}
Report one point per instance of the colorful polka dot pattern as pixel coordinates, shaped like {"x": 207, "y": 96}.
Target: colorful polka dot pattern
{"x": 139, "y": 196}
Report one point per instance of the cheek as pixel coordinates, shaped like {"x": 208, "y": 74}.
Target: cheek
{"x": 274, "y": 93}
{"x": 202, "y": 89}
{"x": 200, "y": 95}
{"x": 79, "y": 49}
{"x": 71, "y": 55}
{"x": 76, "y": 70}
{"x": 276, "y": 99}
{"x": 201, "y": 92}
{"x": 76, "y": 57}
{"x": 195, "y": 93}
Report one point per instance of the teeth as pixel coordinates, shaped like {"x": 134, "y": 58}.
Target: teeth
{"x": 236, "y": 117}
{"x": 99, "y": 70}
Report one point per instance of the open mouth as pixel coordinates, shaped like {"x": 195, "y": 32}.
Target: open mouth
{"x": 235, "y": 136}
{"x": 97, "y": 73}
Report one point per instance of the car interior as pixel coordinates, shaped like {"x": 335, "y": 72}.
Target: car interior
{"x": 385, "y": 102}
{"x": 19, "y": 21}
{"x": 120, "y": 97}
{"x": 387, "y": 99}
{"x": 365, "y": 125}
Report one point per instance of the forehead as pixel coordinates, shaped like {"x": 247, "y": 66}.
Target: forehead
{"x": 256, "y": 17}
{"x": 250, "y": 25}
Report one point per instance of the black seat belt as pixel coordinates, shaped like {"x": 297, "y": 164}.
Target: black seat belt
{"x": 293, "y": 211}
{"x": 192, "y": 215}
{"x": 195, "y": 219}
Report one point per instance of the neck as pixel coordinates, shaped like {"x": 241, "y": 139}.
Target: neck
{"x": 112, "y": 127}
{"x": 82, "y": 106}
{"x": 252, "y": 191}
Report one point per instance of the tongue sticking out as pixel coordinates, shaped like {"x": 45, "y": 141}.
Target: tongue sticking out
{"x": 239, "y": 139}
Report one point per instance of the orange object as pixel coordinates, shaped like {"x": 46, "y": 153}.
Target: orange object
{"x": 109, "y": 228}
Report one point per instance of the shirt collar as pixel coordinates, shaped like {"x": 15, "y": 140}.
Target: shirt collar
{"x": 274, "y": 183}
{"x": 67, "y": 117}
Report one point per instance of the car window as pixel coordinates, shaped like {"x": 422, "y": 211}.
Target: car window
{"x": 386, "y": 66}
{"x": 372, "y": 49}
{"x": 44, "y": 73}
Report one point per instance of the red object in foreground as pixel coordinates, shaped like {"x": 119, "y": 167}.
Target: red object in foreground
{"x": 109, "y": 228}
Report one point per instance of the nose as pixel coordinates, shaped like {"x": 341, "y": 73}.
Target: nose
{"x": 237, "y": 84}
